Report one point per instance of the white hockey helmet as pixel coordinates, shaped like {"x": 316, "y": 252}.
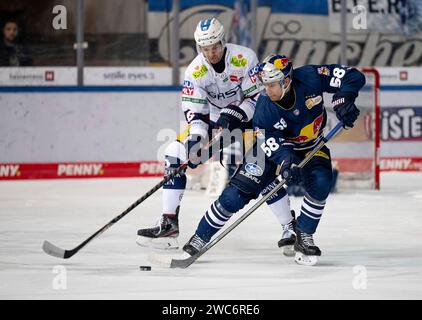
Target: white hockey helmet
{"x": 209, "y": 32}
{"x": 275, "y": 68}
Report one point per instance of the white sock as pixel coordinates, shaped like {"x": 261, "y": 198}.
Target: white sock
{"x": 171, "y": 200}
{"x": 281, "y": 210}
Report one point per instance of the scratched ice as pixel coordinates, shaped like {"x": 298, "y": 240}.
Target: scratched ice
{"x": 371, "y": 243}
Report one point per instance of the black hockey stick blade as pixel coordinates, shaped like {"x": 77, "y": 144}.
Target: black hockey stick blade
{"x": 183, "y": 263}
{"x": 55, "y": 251}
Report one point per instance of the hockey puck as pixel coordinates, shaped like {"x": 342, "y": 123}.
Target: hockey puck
{"x": 145, "y": 268}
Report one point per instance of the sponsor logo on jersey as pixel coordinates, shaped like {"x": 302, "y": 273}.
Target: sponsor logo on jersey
{"x": 187, "y": 84}
{"x": 309, "y": 132}
{"x": 234, "y": 78}
{"x": 187, "y": 88}
{"x": 319, "y": 153}
{"x": 253, "y": 74}
{"x": 200, "y": 71}
{"x": 254, "y": 169}
{"x": 239, "y": 61}
{"x": 249, "y": 90}
{"x": 9, "y": 170}
{"x": 250, "y": 176}
{"x": 78, "y": 170}
{"x": 324, "y": 70}
{"x": 224, "y": 95}
{"x": 311, "y": 102}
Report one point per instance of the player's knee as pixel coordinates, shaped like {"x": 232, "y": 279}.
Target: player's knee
{"x": 175, "y": 154}
{"x": 232, "y": 199}
{"x": 320, "y": 186}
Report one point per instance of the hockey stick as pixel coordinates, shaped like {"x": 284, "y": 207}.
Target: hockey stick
{"x": 55, "y": 251}
{"x": 184, "y": 263}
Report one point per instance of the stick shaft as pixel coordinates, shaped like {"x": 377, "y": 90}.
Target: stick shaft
{"x": 57, "y": 252}
{"x": 280, "y": 182}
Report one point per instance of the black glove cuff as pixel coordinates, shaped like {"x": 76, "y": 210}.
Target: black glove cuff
{"x": 340, "y": 98}
{"x": 233, "y": 113}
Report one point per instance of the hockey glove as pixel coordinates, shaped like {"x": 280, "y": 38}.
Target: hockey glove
{"x": 193, "y": 146}
{"x": 231, "y": 117}
{"x": 345, "y": 108}
{"x": 288, "y": 167}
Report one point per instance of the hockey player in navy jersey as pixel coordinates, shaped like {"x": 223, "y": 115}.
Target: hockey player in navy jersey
{"x": 289, "y": 120}
{"x": 219, "y": 91}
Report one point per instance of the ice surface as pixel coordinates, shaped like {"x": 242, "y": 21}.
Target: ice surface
{"x": 371, "y": 243}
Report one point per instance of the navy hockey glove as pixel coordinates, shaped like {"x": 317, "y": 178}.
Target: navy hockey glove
{"x": 231, "y": 117}
{"x": 193, "y": 146}
{"x": 288, "y": 167}
{"x": 345, "y": 108}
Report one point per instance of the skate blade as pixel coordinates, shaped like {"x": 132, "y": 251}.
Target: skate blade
{"x": 305, "y": 260}
{"x": 167, "y": 243}
{"x": 288, "y": 250}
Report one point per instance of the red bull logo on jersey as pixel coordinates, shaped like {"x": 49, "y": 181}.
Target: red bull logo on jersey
{"x": 309, "y": 132}
{"x": 324, "y": 70}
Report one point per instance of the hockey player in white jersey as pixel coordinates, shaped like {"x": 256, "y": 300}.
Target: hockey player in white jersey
{"x": 219, "y": 91}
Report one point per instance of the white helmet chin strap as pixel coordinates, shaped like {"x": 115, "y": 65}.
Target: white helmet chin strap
{"x": 284, "y": 89}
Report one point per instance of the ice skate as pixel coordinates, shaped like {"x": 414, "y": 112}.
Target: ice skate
{"x": 163, "y": 235}
{"x": 288, "y": 237}
{"x": 306, "y": 251}
{"x": 194, "y": 245}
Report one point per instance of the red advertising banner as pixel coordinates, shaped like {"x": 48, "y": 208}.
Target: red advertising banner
{"x": 68, "y": 170}
{"x": 16, "y": 171}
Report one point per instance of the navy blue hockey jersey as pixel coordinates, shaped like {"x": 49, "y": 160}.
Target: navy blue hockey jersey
{"x": 302, "y": 125}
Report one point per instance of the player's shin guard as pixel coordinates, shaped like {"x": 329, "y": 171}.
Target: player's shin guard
{"x": 214, "y": 219}
{"x": 310, "y": 215}
{"x": 174, "y": 189}
{"x": 164, "y": 234}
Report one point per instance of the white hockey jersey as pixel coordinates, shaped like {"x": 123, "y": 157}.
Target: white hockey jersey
{"x": 205, "y": 92}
